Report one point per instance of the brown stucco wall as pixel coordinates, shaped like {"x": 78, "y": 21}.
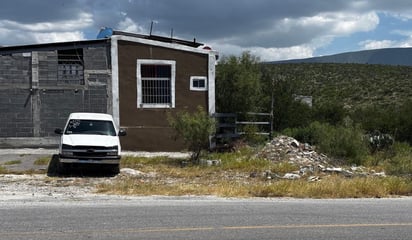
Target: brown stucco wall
{"x": 148, "y": 129}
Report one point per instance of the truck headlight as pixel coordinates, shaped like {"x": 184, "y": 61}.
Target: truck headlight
{"x": 67, "y": 150}
{"x": 113, "y": 151}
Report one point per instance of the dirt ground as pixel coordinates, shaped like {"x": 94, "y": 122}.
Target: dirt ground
{"x": 30, "y": 182}
{"x": 26, "y": 157}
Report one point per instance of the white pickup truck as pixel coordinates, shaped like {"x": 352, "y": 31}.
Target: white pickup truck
{"x": 90, "y": 138}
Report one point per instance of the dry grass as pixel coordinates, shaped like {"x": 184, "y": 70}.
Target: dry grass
{"x": 233, "y": 179}
{"x": 334, "y": 187}
{"x": 42, "y": 161}
{"x": 12, "y": 162}
{"x": 3, "y": 170}
{"x": 337, "y": 187}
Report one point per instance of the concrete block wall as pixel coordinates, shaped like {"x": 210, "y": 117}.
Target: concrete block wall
{"x": 15, "y": 70}
{"x": 31, "y": 107}
{"x": 15, "y": 96}
{"x": 15, "y": 113}
{"x": 96, "y": 58}
{"x": 47, "y": 68}
{"x": 56, "y": 105}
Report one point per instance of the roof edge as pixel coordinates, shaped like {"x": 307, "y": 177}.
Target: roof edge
{"x": 171, "y": 45}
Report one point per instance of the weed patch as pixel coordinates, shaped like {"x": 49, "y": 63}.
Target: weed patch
{"x": 12, "y": 162}
{"x": 3, "y": 170}
{"x": 42, "y": 161}
{"x": 233, "y": 178}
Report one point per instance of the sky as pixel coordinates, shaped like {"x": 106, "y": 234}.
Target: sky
{"x": 269, "y": 29}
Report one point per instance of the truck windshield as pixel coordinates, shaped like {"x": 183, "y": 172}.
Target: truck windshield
{"x": 80, "y": 126}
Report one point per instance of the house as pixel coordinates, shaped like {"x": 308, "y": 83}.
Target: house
{"x": 138, "y": 79}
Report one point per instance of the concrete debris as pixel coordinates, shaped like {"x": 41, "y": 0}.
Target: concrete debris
{"x": 379, "y": 174}
{"x": 333, "y": 169}
{"x": 131, "y": 172}
{"x": 291, "y": 176}
{"x": 313, "y": 179}
{"x": 210, "y": 162}
{"x": 310, "y": 163}
{"x": 283, "y": 148}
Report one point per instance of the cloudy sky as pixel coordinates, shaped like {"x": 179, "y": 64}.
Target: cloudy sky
{"x": 270, "y": 29}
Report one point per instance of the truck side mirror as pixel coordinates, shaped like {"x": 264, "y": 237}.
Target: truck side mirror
{"x": 58, "y": 131}
{"x": 122, "y": 132}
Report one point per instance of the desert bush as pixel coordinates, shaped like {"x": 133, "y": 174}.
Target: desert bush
{"x": 393, "y": 120}
{"x": 252, "y": 136}
{"x": 401, "y": 162}
{"x": 341, "y": 141}
{"x": 195, "y": 129}
{"x": 329, "y": 112}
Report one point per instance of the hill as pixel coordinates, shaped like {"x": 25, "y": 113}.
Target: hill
{"x": 385, "y": 56}
{"x": 354, "y": 85}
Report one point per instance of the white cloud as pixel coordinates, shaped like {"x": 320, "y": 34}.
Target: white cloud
{"x": 85, "y": 20}
{"x": 371, "y": 44}
{"x": 272, "y": 30}
{"x": 377, "y": 44}
{"x": 267, "y": 54}
{"x": 24, "y": 37}
{"x": 58, "y": 37}
{"x": 272, "y": 54}
{"x": 314, "y": 32}
{"x": 346, "y": 23}
{"x": 45, "y": 32}
{"x": 128, "y": 25}
{"x": 335, "y": 23}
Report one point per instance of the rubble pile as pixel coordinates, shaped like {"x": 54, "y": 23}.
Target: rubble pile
{"x": 284, "y": 148}
{"x": 287, "y": 149}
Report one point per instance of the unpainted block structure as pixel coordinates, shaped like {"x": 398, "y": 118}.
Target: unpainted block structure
{"x": 138, "y": 79}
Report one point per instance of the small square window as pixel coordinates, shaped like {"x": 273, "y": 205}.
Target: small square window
{"x": 198, "y": 83}
{"x": 155, "y": 83}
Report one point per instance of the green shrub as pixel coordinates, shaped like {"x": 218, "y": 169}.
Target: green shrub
{"x": 329, "y": 112}
{"x": 252, "y": 135}
{"x": 401, "y": 162}
{"x": 342, "y": 141}
{"x": 195, "y": 130}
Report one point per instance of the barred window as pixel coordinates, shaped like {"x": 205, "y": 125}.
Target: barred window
{"x": 70, "y": 67}
{"x": 155, "y": 83}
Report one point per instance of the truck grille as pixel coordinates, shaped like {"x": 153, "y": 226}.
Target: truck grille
{"x": 93, "y": 151}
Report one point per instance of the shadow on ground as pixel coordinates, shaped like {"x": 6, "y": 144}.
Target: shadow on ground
{"x": 57, "y": 169}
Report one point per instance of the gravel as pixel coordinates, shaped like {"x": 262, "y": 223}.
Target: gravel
{"x": 40, "y": 187}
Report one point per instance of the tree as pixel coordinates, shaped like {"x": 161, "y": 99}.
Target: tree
{"x": 195, "y": 130}
{"x": 238, "y": 86}
{"x": 280, "y": 90}
{"x": 331, "y": 112}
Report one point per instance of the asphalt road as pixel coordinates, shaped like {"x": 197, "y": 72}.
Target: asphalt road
{"x": 206, "y": 218}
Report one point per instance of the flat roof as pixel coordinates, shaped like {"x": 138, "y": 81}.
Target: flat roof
{"x": 52, "y": 46}
{"x": 101, "y": 42}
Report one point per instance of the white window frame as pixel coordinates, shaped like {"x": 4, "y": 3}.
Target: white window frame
{"x": 140, "y": 103}
{"x": 193, "y": 88}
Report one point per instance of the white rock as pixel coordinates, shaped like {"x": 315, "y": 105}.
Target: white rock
{"x": 131, "y": 172}
{"x": 291, "y": 176}
{"x": 333, "y": 169}
{"x": 295, "y": 143}
{"x": 379, "y": 174}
